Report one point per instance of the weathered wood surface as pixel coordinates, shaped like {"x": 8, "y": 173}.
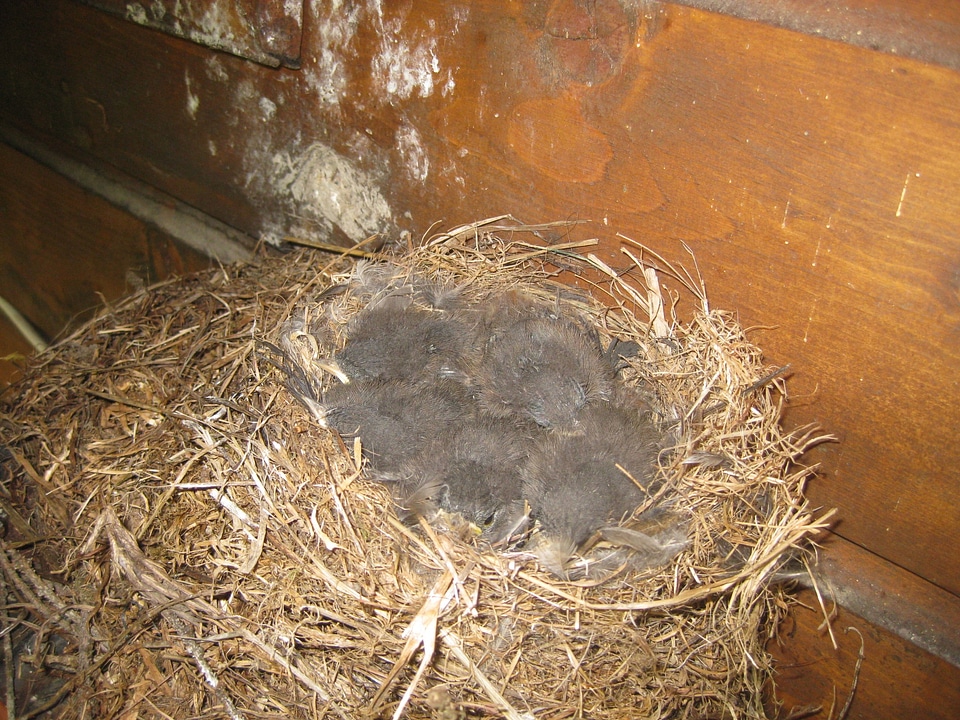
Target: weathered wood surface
{"x": 817, "y": 183}
{"x": 921, "y": 29}
{"x": 897, "y": 680}
{"x": 64, "y": 250}
{"x": 890, "y": 597}
{"x": 267, "y": 32}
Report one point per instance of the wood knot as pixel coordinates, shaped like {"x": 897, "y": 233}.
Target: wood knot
{"x": 588, "y": 40}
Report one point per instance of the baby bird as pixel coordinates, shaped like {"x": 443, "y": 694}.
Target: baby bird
{"x": 394, "y": 419}
{"x": 574, "y": 486}
{"x": 541, "y": 369}
{"x": 375, "y": 281}
{"x": 396, "y": 340}
{"x": 473, "y": 469}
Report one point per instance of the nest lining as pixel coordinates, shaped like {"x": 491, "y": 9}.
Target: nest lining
{"x": 180, "y": 534}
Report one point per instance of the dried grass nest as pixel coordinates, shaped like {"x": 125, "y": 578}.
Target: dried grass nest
{"x": 182, "y": 540}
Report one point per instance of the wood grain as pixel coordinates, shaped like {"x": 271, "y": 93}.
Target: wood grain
{"x": 896, "y": 679}
{"x": 817, "y": 183}
{"x": 924, "y": 30}
{"x": 64, "y": 251}
{"x": 892, "y": 598}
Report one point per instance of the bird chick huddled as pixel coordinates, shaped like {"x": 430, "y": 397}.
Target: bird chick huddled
{"x": 503, "y": 410}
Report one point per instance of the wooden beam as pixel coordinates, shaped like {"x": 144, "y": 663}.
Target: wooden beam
{"x": 889, "y": 597}
{"x": 65, "y": 250}
{"x": 925, "y": 30}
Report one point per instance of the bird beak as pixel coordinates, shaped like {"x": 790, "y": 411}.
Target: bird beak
{"x": 331, "y": 367}
{"x": 318, "y": 411}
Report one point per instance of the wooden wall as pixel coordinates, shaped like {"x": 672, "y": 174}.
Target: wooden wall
{"x": 814, "y": 174}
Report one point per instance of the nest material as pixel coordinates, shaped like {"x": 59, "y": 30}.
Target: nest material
{"x": 183, "y": 540}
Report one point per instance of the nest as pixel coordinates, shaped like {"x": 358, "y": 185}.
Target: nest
{"x": 182, "y": 539}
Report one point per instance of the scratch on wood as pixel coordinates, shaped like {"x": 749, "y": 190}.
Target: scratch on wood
{"x": 813, "y": 312}
{"x": 903, "y": 193}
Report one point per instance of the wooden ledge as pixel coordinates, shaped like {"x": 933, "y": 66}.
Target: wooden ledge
{"x": 924, "y": 30}
{"x": 892, "y": 598}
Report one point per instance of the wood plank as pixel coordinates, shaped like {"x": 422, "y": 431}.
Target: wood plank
{"x": 265, "y": 32}
{"x": 891, "y": 598}
{"x": 121, "y": 93}
{"x": 897, "y": 680}
{"x": 64, "y": 250}
{"x": 817, "y": 183}
{"x": 924, "y": 30}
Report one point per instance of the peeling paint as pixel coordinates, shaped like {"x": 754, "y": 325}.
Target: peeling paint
{"x": 158, "y": 9}
{"x": 412, "y": 154}
{"x": 269, "y": 33}
{"x": 328, "y": 188}
{"x": 213, "y": 27}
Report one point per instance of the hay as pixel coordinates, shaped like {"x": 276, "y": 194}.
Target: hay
{"x": 182, "y": 540}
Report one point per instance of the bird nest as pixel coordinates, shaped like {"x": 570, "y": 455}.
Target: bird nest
{"x": 183, "y": 540}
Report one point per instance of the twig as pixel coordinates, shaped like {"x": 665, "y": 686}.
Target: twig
{"x": 326, "y": 247}
{"x": 856, "y": 675}
{"x": 11, "y": 696}
{"x": 452, "y": 642}
{"x": 194, "y": 650}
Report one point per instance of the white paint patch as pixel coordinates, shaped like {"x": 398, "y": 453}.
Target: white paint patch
{"x": 461, "y": 13}
{"x": 136, "y": 13}
{"x": 449, "y": 85}
{"x": 335, "y": 30}
{"x": 245, "y": 94}
{"x": 401, "y": 68}
{"x": 268, "y": 108}
{"x": 412, "y": 155}
{"x": 215, "y": 70}
{"x": 213, "y": 26}
{"x": 193, "y": 101}
{"x": 326, "y": 186}
{"x": 405, "y": 64}
{"x": 212, "y": 146}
